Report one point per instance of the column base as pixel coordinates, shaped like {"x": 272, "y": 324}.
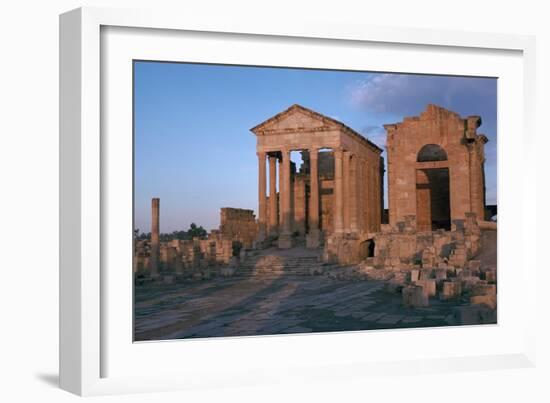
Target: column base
{"x": 285, "y": 241}
{"x": 313, "y": 239}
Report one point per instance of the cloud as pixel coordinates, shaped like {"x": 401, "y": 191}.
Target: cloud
{"x": 376, "y": 134}
{"x": 408, "y": 94}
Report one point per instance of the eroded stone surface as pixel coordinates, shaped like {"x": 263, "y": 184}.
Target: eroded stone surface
{"x": 288, "y": 304}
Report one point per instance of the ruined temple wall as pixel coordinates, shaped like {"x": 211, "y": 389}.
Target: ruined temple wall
{"x": 238, "y": 225}
{"x": 404, "y": 141}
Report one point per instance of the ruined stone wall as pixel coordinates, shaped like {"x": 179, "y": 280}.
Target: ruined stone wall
{"x": 238, "y": 225}
{"x": 464, "y": 149}
{"x": 403, "y": 247}
{"x": 178, "y": 256}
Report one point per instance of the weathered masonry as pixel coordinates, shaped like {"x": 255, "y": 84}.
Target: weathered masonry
{"x": 337, "y": 193}
{"x": 435, "y": 169}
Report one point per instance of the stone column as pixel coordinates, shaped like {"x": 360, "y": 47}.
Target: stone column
{"x": 313, "y": 236}
{"x": 262, "y": 201}
{"x": 338, "y": 192}
{"x": 381, "y": 188}
{"x": 280, "y": 204}
{"x": 378, "y": 200}
{"x": 476, "y": 184}
{"x": 285, "y": 237}
{"x": 366, "y": 195}
{"x": 372, "y": 192}
{"x": 273, "y": 221}
{"x": 346, "y": 189}
{"x": 155, "y": 233}
{"x": 353, "y": 195}
{"x": 360, "y": 196}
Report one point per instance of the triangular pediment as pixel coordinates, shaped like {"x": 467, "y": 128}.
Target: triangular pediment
{"x": 296, "y": 118}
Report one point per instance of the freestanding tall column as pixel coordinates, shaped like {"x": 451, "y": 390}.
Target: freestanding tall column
{"x": 338, "y": 192}
{"x": 285, "y": 237}
{"x": 273, "y": 220}
{"x": 262, "y": 201}
{"x": 154, "y": 259}
{"x": 312, "y": 239}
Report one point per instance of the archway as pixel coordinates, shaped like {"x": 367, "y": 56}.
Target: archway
{"x": 433, "y": 210}
{"x": 430, "y": 153}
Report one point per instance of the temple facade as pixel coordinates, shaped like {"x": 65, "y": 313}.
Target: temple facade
{"x": 337, "y": 194}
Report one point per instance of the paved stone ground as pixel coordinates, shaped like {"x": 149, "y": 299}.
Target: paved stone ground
{"x": 249, "y": 306}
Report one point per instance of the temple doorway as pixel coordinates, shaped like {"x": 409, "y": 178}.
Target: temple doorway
{"x": 433, "y": 210}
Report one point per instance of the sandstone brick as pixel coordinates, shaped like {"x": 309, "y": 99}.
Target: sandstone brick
{"x": 450, "y": 290}
{"x": 474, "y": 315}
{"x": 484, "y": 289}
{"x": 428, "y": 286}
{"x": 441, "y": 274}
{"x": 488, "y": 300}
{"x": 414, "y": 296}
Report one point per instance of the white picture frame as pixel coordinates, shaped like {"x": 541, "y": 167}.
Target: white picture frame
{"x": 85, "y": 343}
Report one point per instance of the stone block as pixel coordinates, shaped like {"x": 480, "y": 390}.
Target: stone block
{"x": 474, "y": 315}
{"x": 465, "y": 273}
{"x": 474, "y": 265}
{"x": 458, "y": 225}
{"x": 285, "y": 242}
{"x": 425, "y": 274}
{"x": 441, "y": 274}
{"x": 488, "y": 300}
{"x": 491, "y": 276}
{"x": 415, "y": 275}
{"x": 484, "y": 289}
{"x": 394, "y": 286}
{"x": 414, "y": 297}
{"x": 428, "y": 286}
{"x": 228, "y": 271}
{"x": 469, "y": 283}
{"x": 450, "y": 290}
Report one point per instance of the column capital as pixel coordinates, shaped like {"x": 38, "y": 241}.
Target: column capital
{"x": 313, "y": 151}
{"x": 261, "y": 154}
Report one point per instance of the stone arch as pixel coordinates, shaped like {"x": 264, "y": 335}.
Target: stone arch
{"x": 431, "y": 152}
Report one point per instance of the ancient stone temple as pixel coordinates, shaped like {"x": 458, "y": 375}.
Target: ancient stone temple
{"x": 336, "y": 195}
{"x": 435, "y": 169}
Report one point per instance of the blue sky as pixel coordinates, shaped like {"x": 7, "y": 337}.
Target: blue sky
{"x": 194, "y": 148}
